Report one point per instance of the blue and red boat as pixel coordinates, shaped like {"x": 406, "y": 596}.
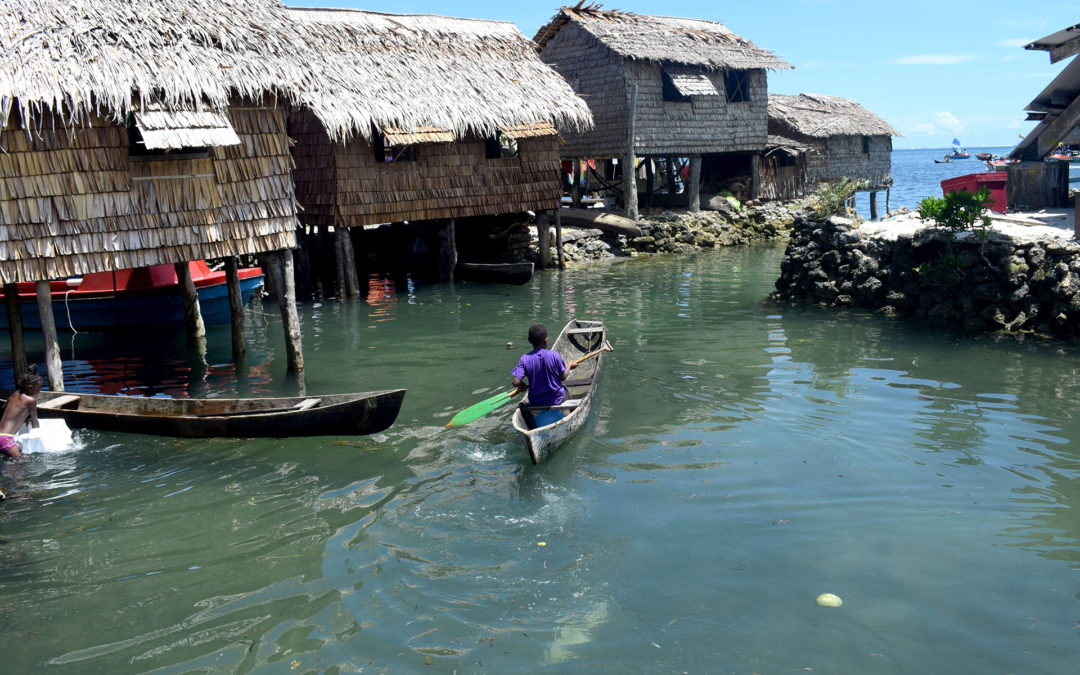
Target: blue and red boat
{"x": 133, "y": 297}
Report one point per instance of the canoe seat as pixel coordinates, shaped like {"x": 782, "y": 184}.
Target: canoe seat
{"x": 58, "y": 402}
{"x": 582, "y": 382}
{"x": 565, "y": 405}
{"x": 308, "y": 403}
{"x": 579, "y": 331}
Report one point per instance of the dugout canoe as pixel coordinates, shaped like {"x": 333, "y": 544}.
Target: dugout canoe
{"x": 330, "y": 415}
{"x": 577, "y": 339}
{"x": 505, "y": 273}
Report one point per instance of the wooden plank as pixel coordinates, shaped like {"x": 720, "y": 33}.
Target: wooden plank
{"x": 58, "y": 402}
{"x": 308, "y": 403}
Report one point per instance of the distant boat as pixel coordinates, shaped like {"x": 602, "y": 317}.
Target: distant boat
{"x": 985, "y": 156}
{"x": 133, "y": 297}
{"x": 957, "y": 153}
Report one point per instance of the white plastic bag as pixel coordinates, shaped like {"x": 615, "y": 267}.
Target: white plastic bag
{"x": 53, "y": 435}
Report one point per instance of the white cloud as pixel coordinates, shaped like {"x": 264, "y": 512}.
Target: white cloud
{"x": 949, "y": 122}
{"x": 1013, "y": 42}
{"x": 933, "y": 59}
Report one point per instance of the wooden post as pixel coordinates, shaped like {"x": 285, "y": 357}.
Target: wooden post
{"x": 447, "y": 250}
{"x": 575, "y": 189}
{"x": 15, "y": 329}
{"x": 558, "y": 239}
{"x": 887, "y": 191}
{"x": 268, "y": 263}
{"x": 236, "y": 307}
{"x": 1076, "y": 217}
{"x": 672, "y": 187}
{"x": 693, "y": 185}
{"x": 293, "y": 349}
{"x": 650, "y": 181}
{"x": 53, "y": 365}
{"x": 629, "y": 174}
{"x": 196, "y": 330}
{"x": 755, "y": 176}
{"x": 543, "y": 238}
{"x": 873, "y": 205}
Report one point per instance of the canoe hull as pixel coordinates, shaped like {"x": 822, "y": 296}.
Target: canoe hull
{"x": 541, "y": 442}
{"x": 505, "y": 273}
{"x": 335, "y": 415}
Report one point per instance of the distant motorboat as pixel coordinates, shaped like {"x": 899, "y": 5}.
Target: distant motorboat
{"x": 957, "y": 153}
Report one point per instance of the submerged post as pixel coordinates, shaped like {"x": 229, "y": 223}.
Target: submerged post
{"x": 873, "y": 205}
{"x": 15, "y": 330}
{"x": 236, "y": 307}
{"x": 693, "y": 185}
{"x": 53, "y": 365}
{"x": 629, "y": 174}
{"x": 293, "y": 350}
{"x": 352, "y": 277}
{"x": 558, "y": 239}
{"x": 447, "y": 250}
{"x": 196, "y": 330}
{"x": 543, "y": 238}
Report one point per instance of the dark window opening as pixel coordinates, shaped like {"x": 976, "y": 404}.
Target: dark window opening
{"x": 137, "y": 146}
{"x": 385, "y": 152}
{"x": 500, "y": 146}
{"x": 671, "y": 92}
{"x": 737, "y": 85}
{"x": 866, "y": 145}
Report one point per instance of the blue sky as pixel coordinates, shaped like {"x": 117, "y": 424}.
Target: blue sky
{"x": 933, "y": 70}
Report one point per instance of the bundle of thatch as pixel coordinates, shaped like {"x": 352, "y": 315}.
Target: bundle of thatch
{"x": 416, "y": 73}
{"x": 818, "y": 116}
{"x": 692, "y": 42}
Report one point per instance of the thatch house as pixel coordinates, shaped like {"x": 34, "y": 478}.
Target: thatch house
{"x": 135, "y": 133}
{"x": 452, "y": 118}
{"x": 701, "y": 90}
{"x": 845, "y": 140}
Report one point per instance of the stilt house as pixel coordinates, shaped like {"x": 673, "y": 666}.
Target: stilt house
{"x": 840, "y": 139}
{"x": 454, "y": 118}
{"x": 701, "y": 90}
{"x": 133, "y": 133}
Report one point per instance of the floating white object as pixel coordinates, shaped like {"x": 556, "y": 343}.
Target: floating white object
{"x": 52, "y": 435}
{"x": 829, "y": 600}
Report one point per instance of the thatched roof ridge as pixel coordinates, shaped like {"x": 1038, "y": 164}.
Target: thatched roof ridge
{"x": 664, "y": 39}
{"x": 414, "y": 71}
{"x": 78, "y": 56}
{"x": 821, "y": 116}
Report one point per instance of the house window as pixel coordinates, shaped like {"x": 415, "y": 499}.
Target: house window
{"x": 138, "y": 150}
{"x": 500, "y": 146}
{"x": 866, "y": 145}
{"x": 737, "y": 85}
{"x": 671, "y": 92}
{"x": 385, "y": 152}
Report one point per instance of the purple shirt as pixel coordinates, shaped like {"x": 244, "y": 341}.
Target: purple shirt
{"x": 544, "y": 369}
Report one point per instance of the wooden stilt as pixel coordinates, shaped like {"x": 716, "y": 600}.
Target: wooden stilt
{"x": 887, "y": 191}
{"x": 650, "y": 181}
{"x": 53, "y": 365}
{"x": 629, "y": 174}
{"x": 575, "y": 189}
{"x": 693, "y": 185}
{"x": 236, "y": 307}
{"x": 755, "y": 176}
{"x": 873, "y": 205}
{"x": 351, "y": 275}
{"x": 543, "y": 238}
{"x": 447, "y": 250}
{"x": 289, "y": 316}
{"x": 339, "y": 265}
{"x": 672, "y": 186}
{"x": 558, "y": 239}
{"x": 193, "y": 320}
{"x": 268, "y": 263}
{"x": 15, "y": 329}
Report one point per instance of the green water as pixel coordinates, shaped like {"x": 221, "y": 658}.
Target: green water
{"x": 740, "y": 460}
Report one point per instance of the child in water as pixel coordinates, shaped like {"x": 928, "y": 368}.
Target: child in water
{"x": 20, "y": 408}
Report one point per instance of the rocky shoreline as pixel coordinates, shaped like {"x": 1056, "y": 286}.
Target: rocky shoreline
{"x": 996, "y": 282}
{"x": 680, "y": 231}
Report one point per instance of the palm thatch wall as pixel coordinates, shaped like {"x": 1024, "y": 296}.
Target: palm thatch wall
{"x": 438, "y": 87}
{"x": 91, "y": 89}
{"x": 845, "y": 140}
{"x": 782, "y": 171}
{"x": 702, "y": 89}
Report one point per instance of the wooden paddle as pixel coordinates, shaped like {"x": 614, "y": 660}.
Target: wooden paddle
{"x": 478, "y": 410}
{"x": 606, "y": 347}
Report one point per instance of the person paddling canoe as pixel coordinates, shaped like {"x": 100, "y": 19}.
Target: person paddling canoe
{"x": 544, "y": 369}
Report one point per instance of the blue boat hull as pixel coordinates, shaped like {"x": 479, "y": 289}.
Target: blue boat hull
{"x": 102, "y": 314}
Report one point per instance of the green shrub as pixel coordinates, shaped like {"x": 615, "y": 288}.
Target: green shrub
{"x": 831, "y": 199}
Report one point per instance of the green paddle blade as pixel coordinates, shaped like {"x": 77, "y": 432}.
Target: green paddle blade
{"x": 478, "y": 410}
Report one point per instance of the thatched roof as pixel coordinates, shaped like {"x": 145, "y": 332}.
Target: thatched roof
{"x": 417, "y": 71}
{"x": 664, "y": 39}
{"x": 353, "y": 69}
{"x": 78, "y": 56}
{"x": 821, "y": 116}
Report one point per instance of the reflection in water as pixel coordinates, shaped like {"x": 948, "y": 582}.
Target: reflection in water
{"x": 741, "y": 459}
